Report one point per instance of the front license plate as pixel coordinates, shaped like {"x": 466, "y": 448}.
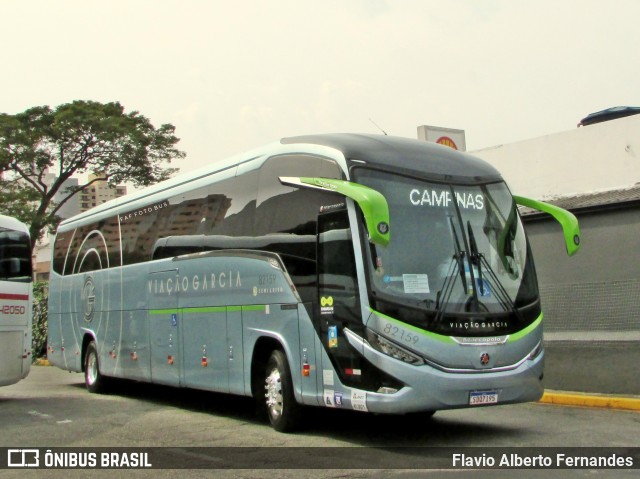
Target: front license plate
{"x": 478, "y": 398}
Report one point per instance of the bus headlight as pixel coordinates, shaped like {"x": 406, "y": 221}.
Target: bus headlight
{"x": 392, "y": 349}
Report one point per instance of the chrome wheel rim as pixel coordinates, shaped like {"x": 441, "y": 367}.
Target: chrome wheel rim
{"x": 273, "y": 395}
{"x": 92, "y": 369}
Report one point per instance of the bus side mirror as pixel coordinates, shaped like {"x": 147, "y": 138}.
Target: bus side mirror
{"x": 372, "y": 203}
{"x": 567, "y": 220}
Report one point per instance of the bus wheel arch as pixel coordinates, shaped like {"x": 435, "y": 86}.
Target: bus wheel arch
{"x": 272, "y": 386}
{"x": 88, "y": 338}
{"x": 261, "y": 353}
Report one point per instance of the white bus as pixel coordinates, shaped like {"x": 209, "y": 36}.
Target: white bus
{"x": 15, "y": 301}
{"x": 364, "y": 272}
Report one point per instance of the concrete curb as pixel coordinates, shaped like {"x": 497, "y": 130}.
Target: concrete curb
{"x": 630, "y": 403}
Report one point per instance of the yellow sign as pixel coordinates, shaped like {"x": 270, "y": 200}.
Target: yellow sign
{"x": 326, "y": 301}
{"x": 446, "y": 141}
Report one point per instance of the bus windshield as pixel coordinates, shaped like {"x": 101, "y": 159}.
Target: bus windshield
{"x": 454, "y": 248}
{"x": 15, "y": 256}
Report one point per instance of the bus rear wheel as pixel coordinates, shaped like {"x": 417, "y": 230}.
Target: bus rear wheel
{"x": 282, "y": 409}
{"x": 94, "y": 380}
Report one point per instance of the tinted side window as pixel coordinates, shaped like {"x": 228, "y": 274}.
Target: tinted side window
{"x": 180, "y": 224}
{"x": 207, "y": 217}
{"x": 15, "y": 256}
{"x": 286, "y": 217}
{"x": 92, "y": 247}
{"x": 237, "y": 213}
{"x": 336, "y": 267}
{"x": 139, "y": 230}
{"x": 60, "y": 249}
{"x": 286, "y": 209}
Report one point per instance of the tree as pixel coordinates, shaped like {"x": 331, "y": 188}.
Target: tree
{"x": 76, "y": 138}
{"x": 40, "y": 319}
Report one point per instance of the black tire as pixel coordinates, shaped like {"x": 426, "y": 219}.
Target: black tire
{"x": 93, "y": 379}
{"x": 279, "y": 401}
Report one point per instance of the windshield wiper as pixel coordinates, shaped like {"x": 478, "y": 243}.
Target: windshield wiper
{"x": 475, "y": 257}
{"x": 457, "y": 259}
{"x": 479, "y": 260}
{"x": 459, "y": 255}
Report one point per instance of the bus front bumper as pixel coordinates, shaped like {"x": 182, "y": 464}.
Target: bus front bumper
{"x": 428, "y": 388}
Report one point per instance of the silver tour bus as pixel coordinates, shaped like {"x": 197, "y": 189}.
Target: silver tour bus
{"x": 363, "y": 272}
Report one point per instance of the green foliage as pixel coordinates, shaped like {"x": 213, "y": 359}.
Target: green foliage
{"x": 40, "y": 313}
{"x": 18, "y": 201}
{"x": 15, "y": 200}
{"x": 77, "y": 138}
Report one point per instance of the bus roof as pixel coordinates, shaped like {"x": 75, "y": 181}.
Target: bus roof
{"x": 415, "y": 155}
{"x": 11, "y": 223}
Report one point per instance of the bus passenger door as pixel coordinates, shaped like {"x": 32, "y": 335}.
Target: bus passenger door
{"x": 164, "y": 327}
{"x": 339, "y": 300}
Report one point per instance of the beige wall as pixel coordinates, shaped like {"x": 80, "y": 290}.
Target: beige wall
{"x": 592, "y": 158}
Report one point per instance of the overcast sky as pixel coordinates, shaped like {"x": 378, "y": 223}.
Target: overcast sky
{"x": 232, "y": 75}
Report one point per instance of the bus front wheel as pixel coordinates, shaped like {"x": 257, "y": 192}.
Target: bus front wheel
{"x": 282, "y": 408}
{"x": 93, "y": 379}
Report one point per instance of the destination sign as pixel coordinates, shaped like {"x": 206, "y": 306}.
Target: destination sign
{"x": 443, "y": 199}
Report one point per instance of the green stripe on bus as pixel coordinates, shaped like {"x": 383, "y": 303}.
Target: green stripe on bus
{"x": 437, "y": 337}
{"x": 447, "y": 339}
{"x": 209, "y": 309}
{"x": 521, "y": 334}
{"x": 254, "y": 307}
